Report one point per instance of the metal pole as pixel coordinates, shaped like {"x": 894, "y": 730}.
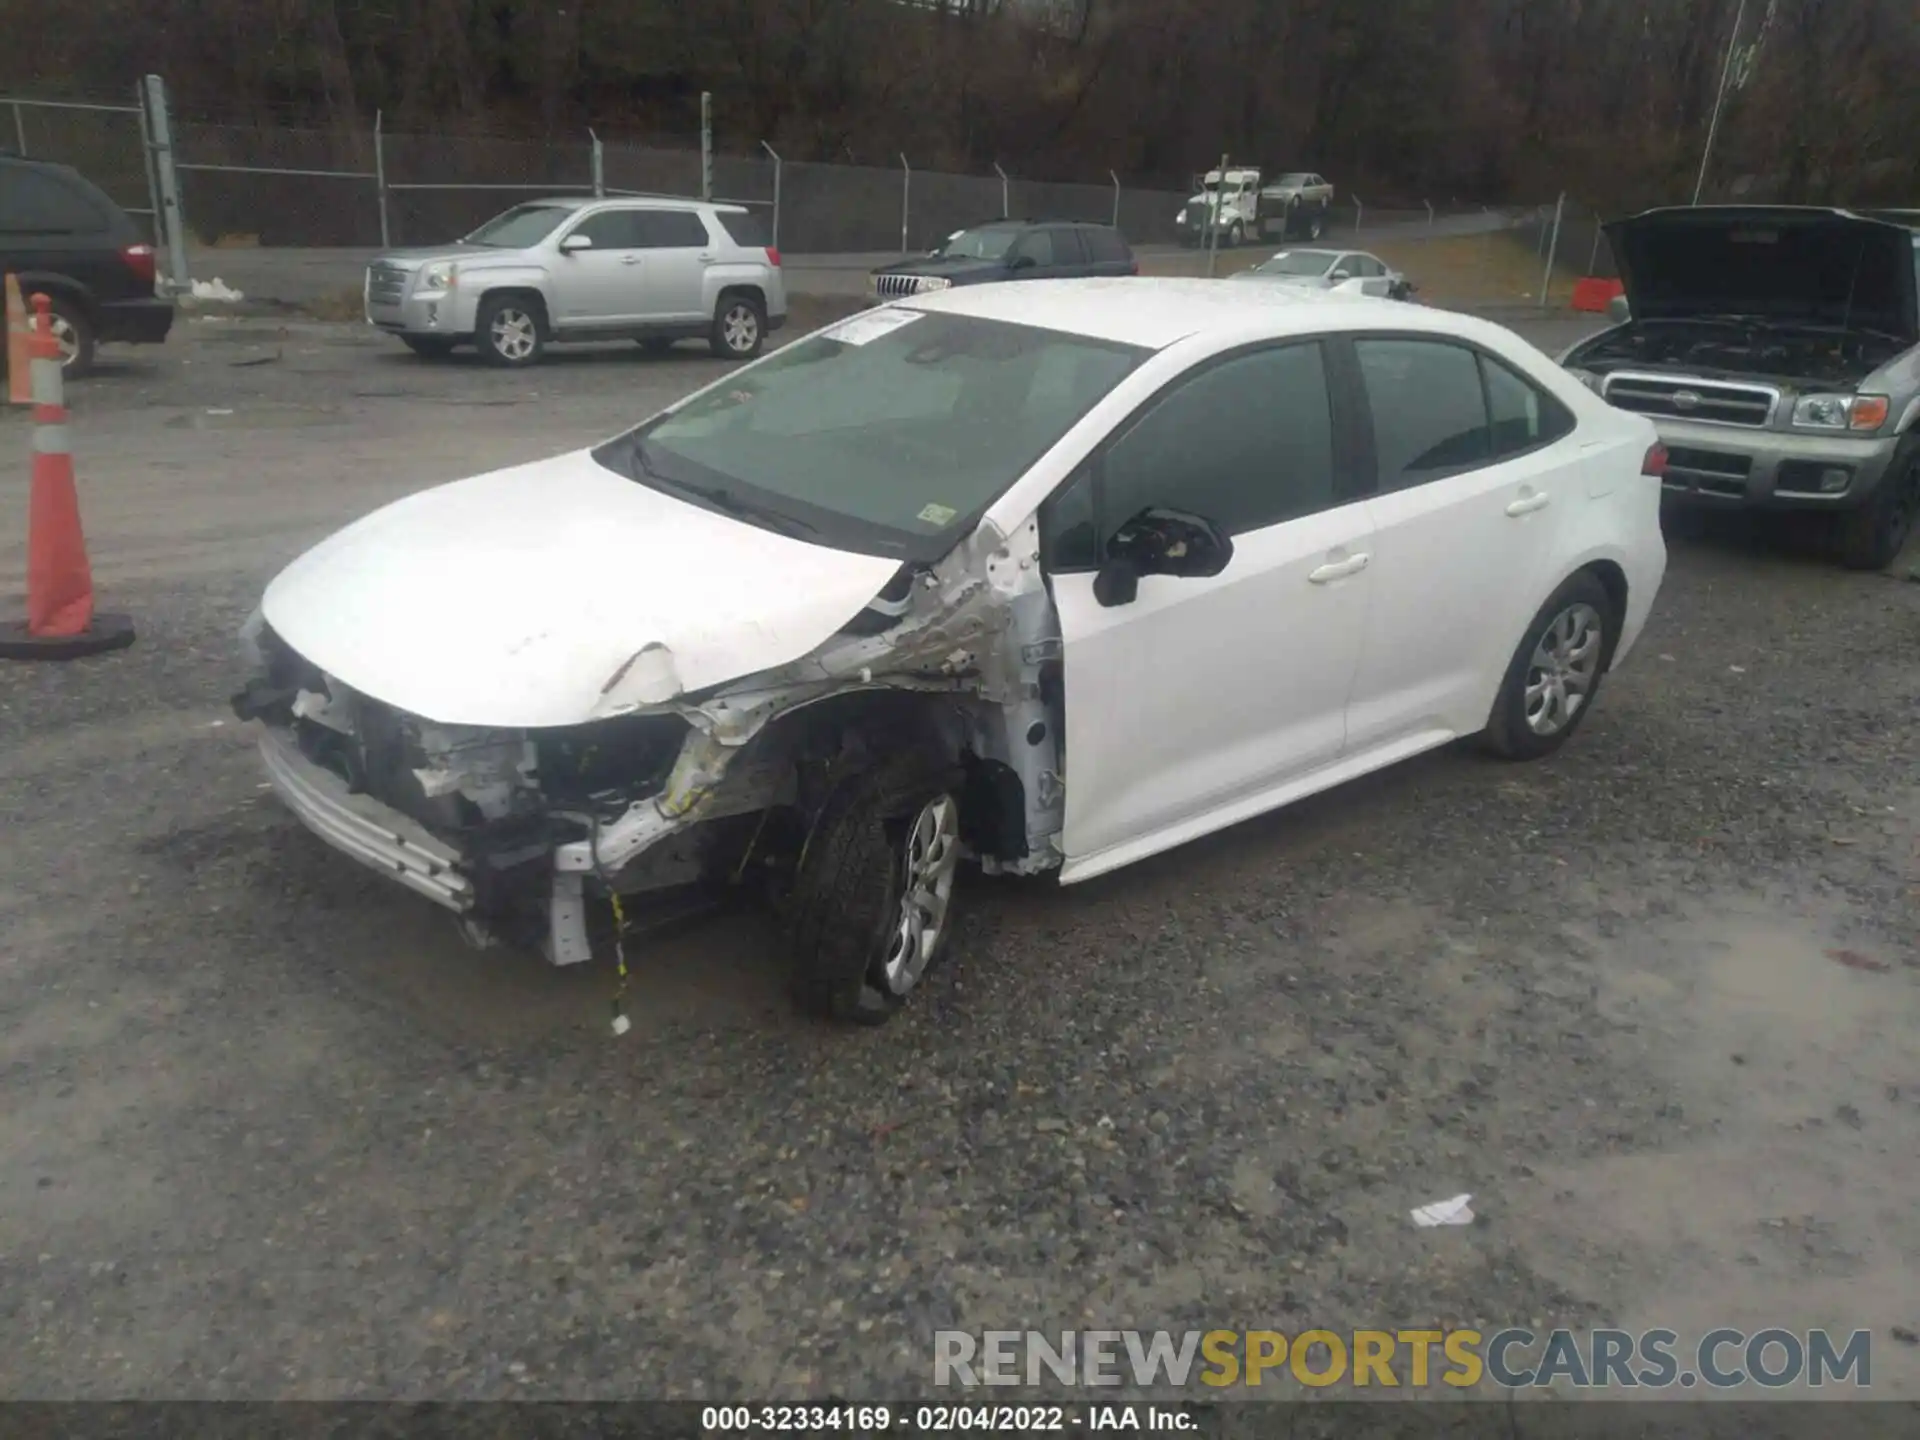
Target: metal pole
{"x": 1213, "y": 218}
{"x": 706, "y": 145}
{"x": 146, "y": 155}
{"x": 1006, "y": 207}
{"x": 20, "y": 126}
{"x": 598, "y": 155}
{"x": 1719, "y": 99}
{"x": 1553, "y": 246}
{"x": 171, "y": 221}
{"x": 1429, "y": 205}
{"x": 1359, "y": 215}
{"x": 906, "y": 193}
{"x": 776, "y": 191}
{"x": 1116, "y": 200}
{"x": 380, "y": 173}
{"x": 1593, "y": 260}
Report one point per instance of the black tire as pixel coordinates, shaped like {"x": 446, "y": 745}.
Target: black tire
{"x": 73, "y": 328}
{"x": 1872, "y": 537}
{"x": 1511, "y": 733}
{"x": 1317, "y": 226}
{"x": 739, "y": 327}
{"x": 428, "y": 347}
{"x": 1236, "y": 236}
{"x": 656, "y": 344}
{"x": 845, "y": 911}
{"x": 510, "y": 330}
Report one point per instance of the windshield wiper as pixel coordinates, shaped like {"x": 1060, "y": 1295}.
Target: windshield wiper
{"x": 721, "y": 498}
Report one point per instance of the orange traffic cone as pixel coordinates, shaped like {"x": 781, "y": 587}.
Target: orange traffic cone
{"x": 19, "y": 347}
{"x": 61, "y": 624}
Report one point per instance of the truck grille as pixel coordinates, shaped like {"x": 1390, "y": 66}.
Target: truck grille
{"x": 1196, "y": 215}
{"x": 1706, "y": 400}
{"x": 890, "y": 286}
{"x": 385, "y": 284}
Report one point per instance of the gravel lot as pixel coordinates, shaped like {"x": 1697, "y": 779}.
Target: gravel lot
{"x": 268, "y": 1130}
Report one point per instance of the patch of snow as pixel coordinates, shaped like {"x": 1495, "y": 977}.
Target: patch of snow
{"x": 215, "y": 289}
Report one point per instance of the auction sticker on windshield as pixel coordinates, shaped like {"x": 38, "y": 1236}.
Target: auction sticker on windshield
{"x": 938, "y": 514}
{"x": 870, "y": 325}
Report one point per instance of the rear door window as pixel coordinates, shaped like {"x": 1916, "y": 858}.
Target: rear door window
{"x": 33, "y": 202}
{"x": 669, "y": 230}
{"x": 1067, "y": 248}
{"x": 1429, "y": 409}
{"x": 1522, "y": 416}
{"x": 1104, "y": 245}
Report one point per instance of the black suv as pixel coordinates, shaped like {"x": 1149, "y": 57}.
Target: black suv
{"x": 62, "y": 236}
{"x": 1010, "y": 250}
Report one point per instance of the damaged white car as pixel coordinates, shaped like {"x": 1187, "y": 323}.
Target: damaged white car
{"x": 1054, "y": 576}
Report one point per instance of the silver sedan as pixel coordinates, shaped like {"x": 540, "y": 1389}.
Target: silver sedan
{"x": 1331, "y": 270}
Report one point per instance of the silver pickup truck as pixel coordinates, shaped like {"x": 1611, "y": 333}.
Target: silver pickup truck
{"x": 1777, "y": 350}
{"x": 555, "y": 271}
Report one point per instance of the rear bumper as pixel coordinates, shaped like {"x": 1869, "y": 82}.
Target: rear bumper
{"x": 135, "y": 322}
{"x": 1729, "y": 466}
{"x": 359, "y": 826}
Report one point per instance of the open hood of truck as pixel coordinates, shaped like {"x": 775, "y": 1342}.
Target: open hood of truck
{"x": 1792, "y": 264}
{"x": 526, "y": 598}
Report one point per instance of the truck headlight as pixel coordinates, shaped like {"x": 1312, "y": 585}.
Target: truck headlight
{"x": 934, "y": 282}
{"x": 1840, "y": 412}
{"x": 437, "y": 276}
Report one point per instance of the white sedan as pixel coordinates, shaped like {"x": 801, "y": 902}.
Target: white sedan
{"x": 1352, "y": 271}
{"x": 1055, "y": 576}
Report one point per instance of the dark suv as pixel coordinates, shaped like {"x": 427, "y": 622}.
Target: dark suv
{"x": 1009, "y": 250}
{"x": 62, "y": 236}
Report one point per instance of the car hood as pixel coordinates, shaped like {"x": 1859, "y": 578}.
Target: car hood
{"x": 1786, "y": 263}
{"x": 955, "y": 268}
{"x": 525, "y": 598}
{"x": 1310, "y": 282}
{"x": 418, "y": 255}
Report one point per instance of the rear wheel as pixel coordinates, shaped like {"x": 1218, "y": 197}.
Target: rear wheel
{"x": 1555, "y": 675}
{"x": 739, "y": 327}
{"x": 1316, "y": 227}
{"x": 73, "y": 333}
{"x": 1236, "y": 237}
{"x": 1871, "y": 537}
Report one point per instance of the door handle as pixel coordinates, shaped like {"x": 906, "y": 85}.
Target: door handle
{"x": 1528, "y": 503}
{"x": 1339, "y": 569}
{"x": 631, "y": 259}
{"x": 706, "y": 258}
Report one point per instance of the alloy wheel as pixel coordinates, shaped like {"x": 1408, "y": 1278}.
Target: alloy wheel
{"x": 66, "y": 337}
{"x": 1564, "y": 667}
{"x": 515, "y": 334}
{"x": 932, "y": 858}
{"x": 740, "y": 329}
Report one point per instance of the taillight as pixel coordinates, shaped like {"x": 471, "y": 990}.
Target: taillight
{"x": 139, "y": 259}
{"x": 1655, "y": 465}
{"x": 773, "y": 257}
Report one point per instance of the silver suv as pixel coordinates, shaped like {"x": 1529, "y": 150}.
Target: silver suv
{"x": 556, "y": 271}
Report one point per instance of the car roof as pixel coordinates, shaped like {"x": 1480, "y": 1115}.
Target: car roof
{"x": 639, "y": 202}
{"x": 1157, "y": 311}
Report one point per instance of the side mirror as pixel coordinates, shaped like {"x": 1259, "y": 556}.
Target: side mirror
{"x": 1160, "y": 542}
{"x": 576, "y": 242}
{"x": 1339, "y": 277}
{"x": 1618, "y": 310}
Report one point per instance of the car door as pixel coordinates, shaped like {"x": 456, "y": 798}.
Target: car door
{"x": 678, "y": 250}
{"x": 1478, "y": 471}
{"x": 1194, "y": 704}
{"x": 1371, "y": 273}
{"x": 1070, "y": 256}
{"x": 598, "y": 287}
{"x": 1031, "y": 256}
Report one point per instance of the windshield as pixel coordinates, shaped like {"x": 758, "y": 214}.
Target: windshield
{"x": 520, "y": 227}
{"x": 1296, "y": 178}
{"x": 885, "y": 434}
{"x": 987, "y": 243}
{"x": 1297, "y": 262}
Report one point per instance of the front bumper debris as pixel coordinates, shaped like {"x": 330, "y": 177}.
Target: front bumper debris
{"x": 376, "y": 835}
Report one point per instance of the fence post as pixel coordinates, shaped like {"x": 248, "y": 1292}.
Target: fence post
{"x": 1593, "y": 260}
{"x": 776, "y": 191}
{"x": 1214, "y": 217}
{"x": 171, "y": 221}
{"x": 1553, "y": 245}
{"x": 1359, "y": 215}
{"x": 146, "y": 155}
{"x": 20, "y": 127}
{"x": 1116, "y": 200}
{"x": 706, "y": 145}
{"x": 380, "y": 173}
{"x": 906, "y": 193}
{"x": 597, "y": 157}
{"x": 1006, "y": 205}
{"x": 1429, "y": 205}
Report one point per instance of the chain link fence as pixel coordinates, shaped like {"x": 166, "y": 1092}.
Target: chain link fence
{"x": 106, "y": 143}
